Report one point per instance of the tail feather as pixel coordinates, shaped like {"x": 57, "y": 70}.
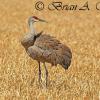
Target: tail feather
{"x": 66, "y": 64}
{"x": 66, "y": 61}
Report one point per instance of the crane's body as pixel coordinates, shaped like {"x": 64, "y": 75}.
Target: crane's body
{"x": 45, "y": 48}
{"x": 48, "y": 49}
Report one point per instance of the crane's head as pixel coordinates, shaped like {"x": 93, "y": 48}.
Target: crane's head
{"x": 35, "y": 19}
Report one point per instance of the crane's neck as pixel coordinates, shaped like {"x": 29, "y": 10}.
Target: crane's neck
{"x": 32, "y": 30}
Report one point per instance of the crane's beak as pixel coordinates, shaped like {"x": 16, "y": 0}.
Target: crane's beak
{"x": 42, "y": 20}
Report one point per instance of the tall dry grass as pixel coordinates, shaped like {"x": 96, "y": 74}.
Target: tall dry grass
{"x": 80, "y": 30}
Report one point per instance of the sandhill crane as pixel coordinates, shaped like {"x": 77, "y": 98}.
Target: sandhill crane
{"x": 45, "y": 48}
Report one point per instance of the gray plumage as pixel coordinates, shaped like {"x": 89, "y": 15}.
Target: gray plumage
{"x": 45, "y": 48}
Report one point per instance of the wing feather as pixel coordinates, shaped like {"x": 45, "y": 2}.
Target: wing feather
{"x": 48, "y": 49}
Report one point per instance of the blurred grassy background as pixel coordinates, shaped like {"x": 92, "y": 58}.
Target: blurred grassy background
{"x": 80, "y": 30}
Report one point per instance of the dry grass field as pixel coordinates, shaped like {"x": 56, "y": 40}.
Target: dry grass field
{"x": 80, "y": 30}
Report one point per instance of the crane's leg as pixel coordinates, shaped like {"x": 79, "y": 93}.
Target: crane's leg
{"x": 39, "y": 73}
{"x": 46, "y": 71}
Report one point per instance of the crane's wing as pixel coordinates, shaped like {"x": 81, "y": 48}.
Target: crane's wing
{"x": 38, "y": 54}
{"x": 46, "y": 42}
{"x": 53, "y": 51}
